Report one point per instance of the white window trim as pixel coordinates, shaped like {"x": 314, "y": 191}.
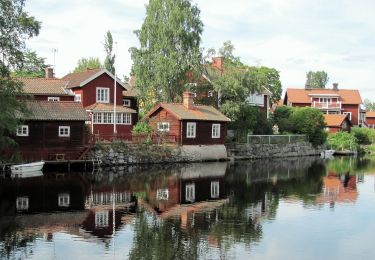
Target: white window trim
{"x": 99, "y": 100}
{"x": 348, "y": 113}
{"x": 64, "y": 127}
{"x": 162, "y": 128}
{"x": 215, "y": 189}
{"x": 101, "y": 219}
{"x": 21, "y": 133}
{"x": 64, "y": 200}
{"x": 53, "y": 99}
{"x": 194, "y": 134}
{"x": 77, "y": 98}
{"x": 162, "y": 194}
{"x": 22, "y": 203}
{"x": 218, "y": 131}
{"x": 121, "y": 118}
{"x": 126, "y": 100}
{"x": 190, "y": 192}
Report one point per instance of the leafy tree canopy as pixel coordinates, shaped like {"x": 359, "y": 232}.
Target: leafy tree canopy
{"x": 16, "y": 26}
{"x": 370, "y": 106}
{"x": 317, "y": 79}
{"x": 87, "y": 63}
{"x": 109, "y": 62}
{"x": 169, "y": 48}
{"x": 32, "y": 66}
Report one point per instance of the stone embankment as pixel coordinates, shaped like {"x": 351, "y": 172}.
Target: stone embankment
{"x": 257, "y": 151}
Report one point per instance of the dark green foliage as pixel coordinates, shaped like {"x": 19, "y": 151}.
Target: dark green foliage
{"x": 109, "y": 62}
{"x": 87, "y": 63}
{"x": 341, "y": 141}
{"x": 32, "y": 66}
{"x": 142, "y": 127}
{"x": 310, "y": 122}
{"x": 169, "y": 39}
{"x": 263, "y": 126}
{"x": 281, "y": 118}
{"x": 270, "y": 78}
{"x": 317, "y": 79}
{"x": 364, "y": 136}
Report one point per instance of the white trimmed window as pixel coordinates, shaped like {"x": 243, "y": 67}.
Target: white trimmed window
{"x": 126, "y": 102}
{"x": 107, "y": 118}
{"x": 77, "y": 97}
{"x": 215, "y": 189}
{"x": 64, "y": 131}
{"x": 64, "y": 200}
{"x": 23, "y": 130}
{"x": 53, "y": 98}
{"x": 22, "y": 203}
{"x": 348, "y": 113}
{"x": 190, "y": 192}
{"x": 325, "y": 100}
{"x": 102, "y": 95}
{"x": 102, "y": 219}
{"x": 126, "y": 119}
{"x": 162, "y": 194}
{"x": 215, "y": 130}
{"x": 191, "y": 128}
{"x": 163, "y": 126}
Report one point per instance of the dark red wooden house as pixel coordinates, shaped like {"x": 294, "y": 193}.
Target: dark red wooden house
{"x": 336, "y": 123}
{"x": 52, "y": 130}
{"x": 189, "y": 124}
{"x": 95, "y": 89}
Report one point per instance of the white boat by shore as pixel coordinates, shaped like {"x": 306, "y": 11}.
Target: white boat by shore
{"x": 328, "y": 154}
{"x": 24, "y": 169}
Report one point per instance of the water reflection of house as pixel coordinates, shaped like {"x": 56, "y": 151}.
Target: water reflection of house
{"x": 339, "y": 188}
{"x": 259, "y": 210}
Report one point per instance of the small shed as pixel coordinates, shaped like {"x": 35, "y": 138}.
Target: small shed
{"x": 370, "y": 119}
{"x": 337, "y": 122}
{"x": 189, "y": 124}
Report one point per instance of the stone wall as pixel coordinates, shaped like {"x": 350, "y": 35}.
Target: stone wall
{"x": 128, "y": 154}
{"x": 255, "y": 151}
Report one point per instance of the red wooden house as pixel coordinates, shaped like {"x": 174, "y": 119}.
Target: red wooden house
{"x": 336, "y": 123}
{"x": 329, "y": 101}
{"x": 52, "y": 130}
{"x": 95, "y": 89}
{"x": 370, "y": 119}
{"x": 189, "y": 124}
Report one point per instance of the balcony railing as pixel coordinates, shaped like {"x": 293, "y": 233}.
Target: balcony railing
{"x": 326, "y": 105}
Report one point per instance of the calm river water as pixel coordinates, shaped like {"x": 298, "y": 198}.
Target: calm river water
{"x": 300, "y": 208}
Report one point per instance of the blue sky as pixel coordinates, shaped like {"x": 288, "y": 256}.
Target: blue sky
{"x": 293, "y": 36}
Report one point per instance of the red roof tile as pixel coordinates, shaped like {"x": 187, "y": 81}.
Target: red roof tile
{"x": 333, "y": 120}
{"x": 370, "y": 114}
{"x": 44, "y": 86}
{"x": 347, "y": 96}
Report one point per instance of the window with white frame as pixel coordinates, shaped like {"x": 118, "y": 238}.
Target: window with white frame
{"x": 77, "y": 97}
{"x": 256, "y": 99}
{"x": 325, "y": 100}
{"x": 101, "y": 219}
{"x": 64, "y": 200}
{"x": 215, "y": 130}
{"x": 107, "y": 118}
{"x": 64, "y": 131}
{"x": 102, "y": 95}
{"x": 214, "y": 189}
{"x": 22, "y": 203}
{"x": 190, "y": 192}
{"x": 126, "y": 102}
{"x": 163, "y": 126}
{"x": 191, "y": 129}
{"x": 162, "y": 194}
{"x": 23, "y": 130}
{"x": 348, "y": 113}
{"x": 53, "y": 99}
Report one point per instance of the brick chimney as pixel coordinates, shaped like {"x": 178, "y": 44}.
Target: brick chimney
{"x": 218, "y": 62}
{"x": 335, "y": 86}
{"x": 49, "y": 73}
{"x": 307, "y": 86}
{"x": 188, "y": 99}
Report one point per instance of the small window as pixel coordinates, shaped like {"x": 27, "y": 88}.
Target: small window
{"x": 101, "y": 219}
{"x": 102, "y": 95}
{"x": 77, "y": 97}
{"x": 127, "y": 119}
{"x": 64, "y": 200}
{"x": 126, "y": 102}
{"x": 163, "y": 126}
{"x": 215, "y": 130}
{"x": 162, "y": 194}
{"x": 190, "y": 192}
{"x": 23, "y": 130}
{"x": 191, "y": 129}
{"x": 22, "y": 203}
{"x": 348, "y": 113}
{"x": 215, "y": 189}
{"x": 53, "y": 99}
{"x": 64, "y": 131}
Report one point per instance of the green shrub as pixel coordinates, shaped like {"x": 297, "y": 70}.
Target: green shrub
{"x": 142, "y": 127}
{"x": 364, "y": 136}
{"x": 343, "y": 141}
{"x": 281, "y": 118}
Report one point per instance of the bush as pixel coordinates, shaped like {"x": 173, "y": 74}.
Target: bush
{"x": 364, "y": 136}
{"x": 343, "y": 141}
{"x": 310, "y": 122}
{"x": 263, "y": 126}
{"x": 281, "y": 118}
{"x": 142, "y": 127}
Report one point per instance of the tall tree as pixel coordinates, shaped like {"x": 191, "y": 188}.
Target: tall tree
{"x": 109, "y": 62}
{"x": 87, "y": 63}
{"x": 16, "y": 26}
{"x": 169, "y": 48}
{"x": 370, "y": 106}
{"x": 270, "y": 78}
{"x": 32, "y": 66}
{"x": 317, "y": 79}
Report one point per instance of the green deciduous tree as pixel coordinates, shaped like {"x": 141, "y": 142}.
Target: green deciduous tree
{"x": 16, "y": 26}
{"x": 370, "y": 106}
{"x": 87, "y": 63}
{"x": 32, "y": 66}
{"x": 109, "y": 62}
{"x": 169, "y": 48}
{"x": 270, "y": 79}
{"x": 317, "y": 79}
